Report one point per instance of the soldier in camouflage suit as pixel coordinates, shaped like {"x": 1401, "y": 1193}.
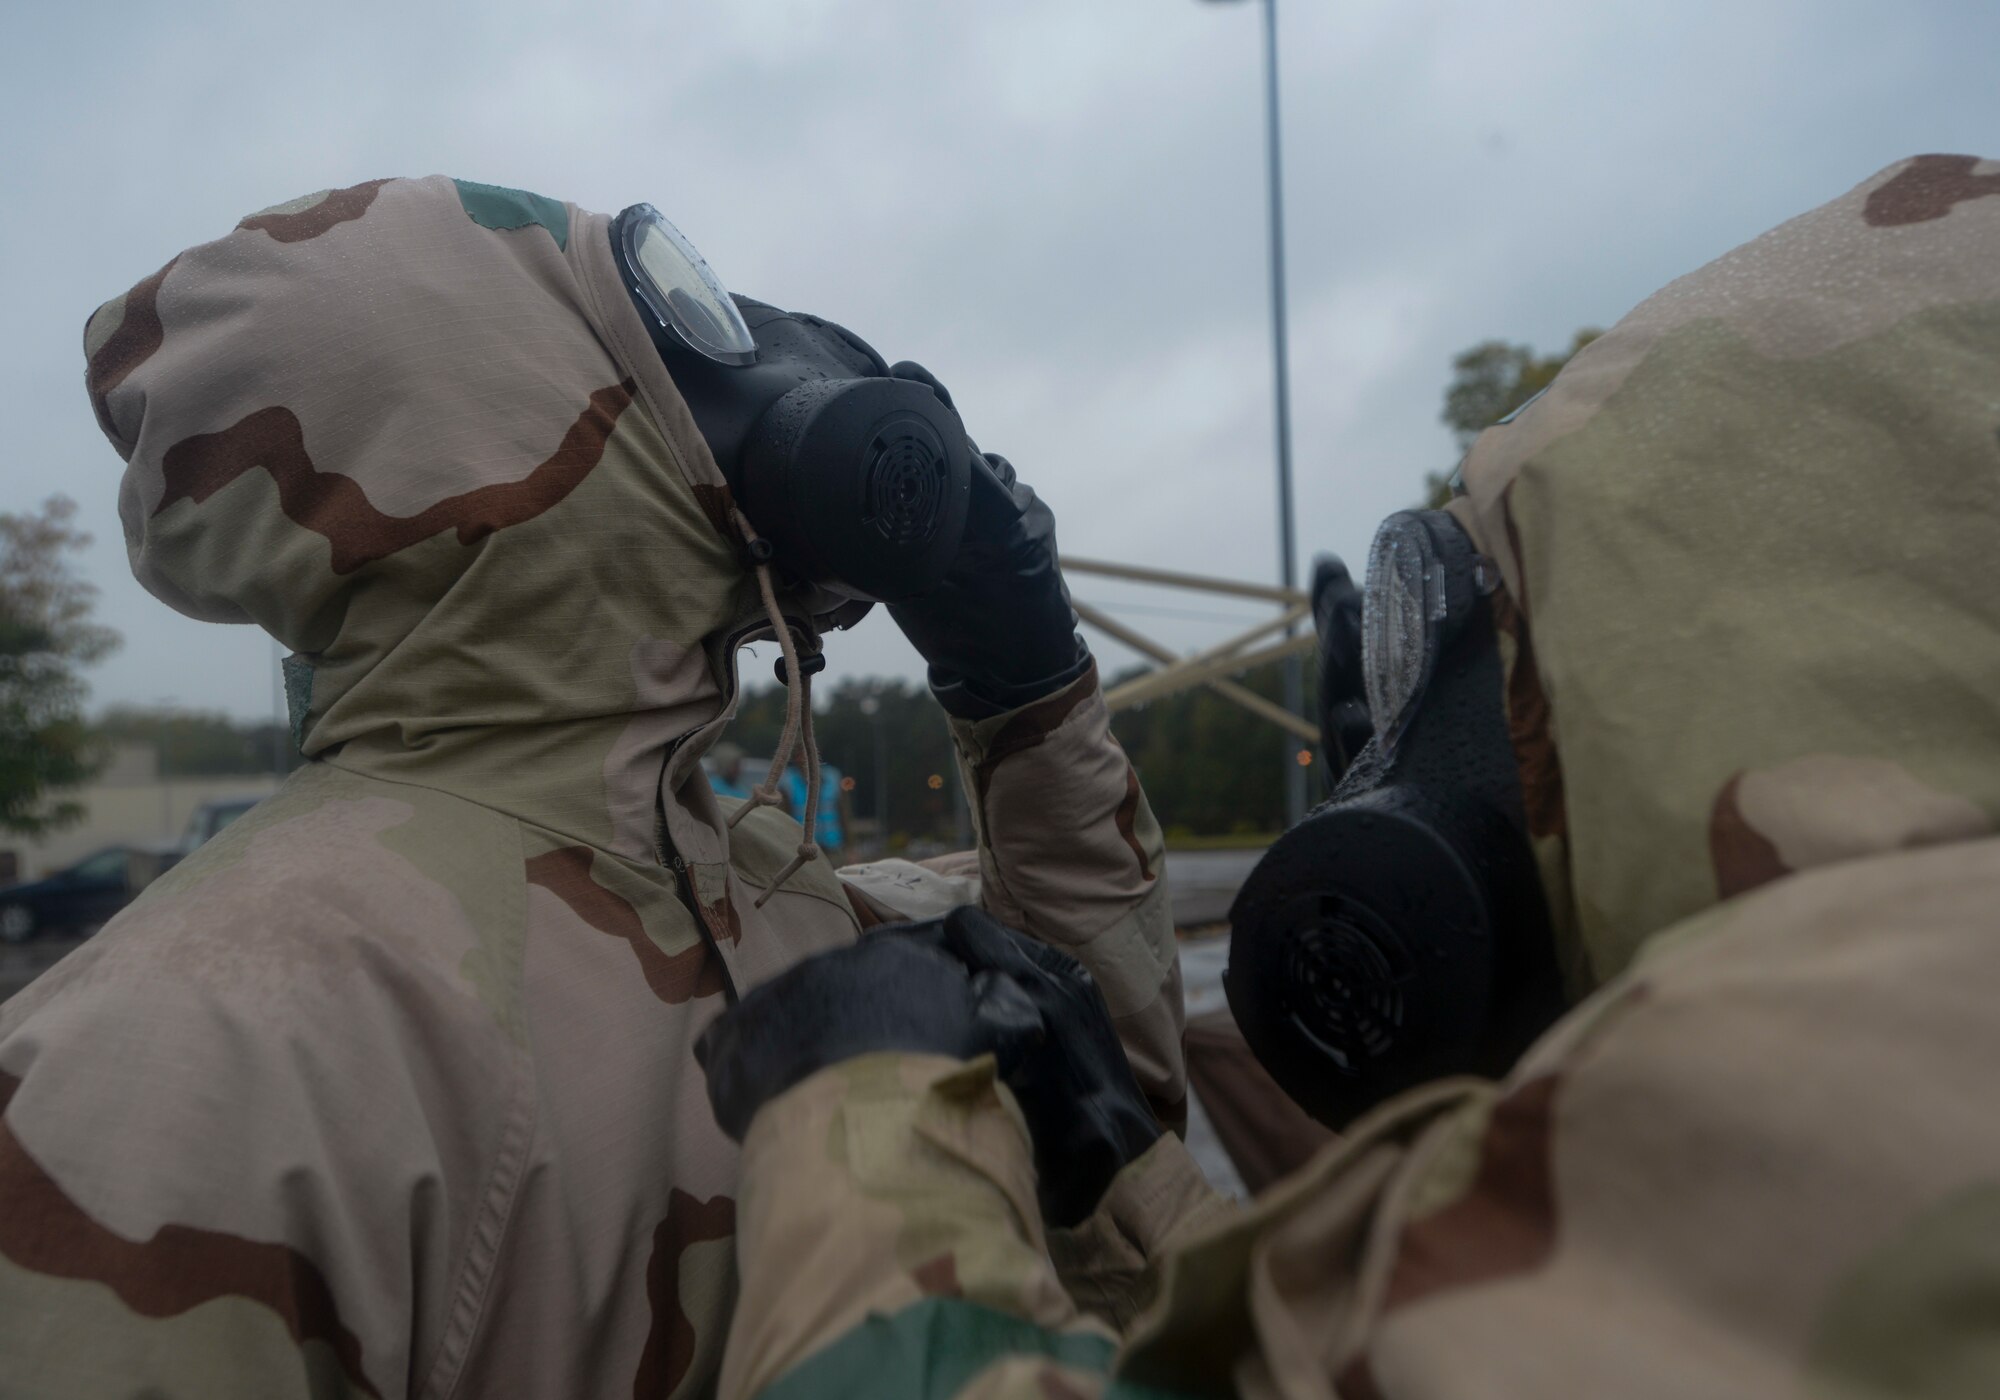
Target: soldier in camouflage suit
{"x": 387, "y": 1090}
{"x": 1752, "y": 681}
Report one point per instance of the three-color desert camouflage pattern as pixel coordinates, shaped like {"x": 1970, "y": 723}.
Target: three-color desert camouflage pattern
{"x": 388, "y": 1090}
{"x": 1753, "y": 682}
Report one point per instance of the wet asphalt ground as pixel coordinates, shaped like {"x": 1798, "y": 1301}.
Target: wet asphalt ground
{"x": 1205, "y": 882}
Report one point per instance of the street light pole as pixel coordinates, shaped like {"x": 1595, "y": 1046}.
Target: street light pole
{"x": 280, "y": 712}
{"x": 871, "y": 705}
{"x": 1281, "y": 377}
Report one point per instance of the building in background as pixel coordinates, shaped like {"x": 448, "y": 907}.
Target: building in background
{"x": 129, "y": 804}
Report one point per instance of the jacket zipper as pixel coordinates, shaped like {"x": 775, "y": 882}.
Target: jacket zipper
{"x": 684, "y": 887}
{"x": 663, "y": 847}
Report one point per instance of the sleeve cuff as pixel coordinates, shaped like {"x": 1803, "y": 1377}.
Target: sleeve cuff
{"x": 1109, "y": 1262}
{"x": 966, "y": 698}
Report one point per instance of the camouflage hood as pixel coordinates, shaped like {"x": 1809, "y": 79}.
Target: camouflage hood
{"x": 416, "y": 431}
{"x": 1744, "y": 535}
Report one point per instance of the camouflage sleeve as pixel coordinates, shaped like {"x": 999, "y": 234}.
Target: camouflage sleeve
{"x": 890, "y": 1245}
{"x": 1110, "y": 1263}
{"x": 1070, "y": 853}
{"x": 1758, "y": 1163}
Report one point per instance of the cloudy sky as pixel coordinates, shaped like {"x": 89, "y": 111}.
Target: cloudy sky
{"x": 1057, "y": 206}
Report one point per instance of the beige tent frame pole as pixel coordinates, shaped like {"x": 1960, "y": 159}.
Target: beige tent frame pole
{"x": 1197, "y": 671}
{"x": 1290, "y": 597}
{"x": 1235, "y": 643}
{"x": 1228, "y": 689}
{"x": 1167, "y": 679}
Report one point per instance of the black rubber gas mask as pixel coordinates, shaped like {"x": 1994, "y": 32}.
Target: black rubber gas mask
{"x": 859, "y": 474}
{"x": 1399, "y": 933}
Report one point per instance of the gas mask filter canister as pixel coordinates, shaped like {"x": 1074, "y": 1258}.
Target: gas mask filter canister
{"x": 1399, "y": 934}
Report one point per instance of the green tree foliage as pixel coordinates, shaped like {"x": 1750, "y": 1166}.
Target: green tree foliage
{"x": 1492, "y": 379}
{"x": 193, "y": 744}
{"x": 1210, "y": 766}
{"x": 915, "y": 745}
{"x": 46, "y": 635}
{"x": 1488, "y": 382}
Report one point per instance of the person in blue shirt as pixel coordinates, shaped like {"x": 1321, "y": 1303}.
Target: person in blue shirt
{"x": 829, "y": 832}
{"x": 725, "y": 771}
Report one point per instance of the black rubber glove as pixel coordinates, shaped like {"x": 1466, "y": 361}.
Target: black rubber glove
{"x": 1344, "y": 725}
{"x": 882, "y": 994}
{"x": 1087, "y": 1113}
{"x": 999, "y": 632}
{"x": 963, "y": 985}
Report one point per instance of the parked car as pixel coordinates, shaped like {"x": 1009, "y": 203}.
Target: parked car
{"x": 78, "y": 899}
{"x": 208, "y": 820}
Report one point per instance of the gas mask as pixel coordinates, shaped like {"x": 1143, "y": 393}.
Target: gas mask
{"x": 857, "y": 474}
{"x": 1399, "y": 933}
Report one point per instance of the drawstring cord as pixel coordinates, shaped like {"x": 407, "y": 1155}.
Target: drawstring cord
{"x": 798, "y": 732}
{"x": 808, "y": 848}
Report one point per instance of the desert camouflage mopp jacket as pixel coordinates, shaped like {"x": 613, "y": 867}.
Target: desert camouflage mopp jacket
{"x": 1752, "y": 640}
{"x": 388, "y": 1090}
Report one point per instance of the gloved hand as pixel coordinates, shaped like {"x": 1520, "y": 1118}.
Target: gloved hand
{"x": 999, "y": 632}
{"x": 963, "y": 985}
{"x": 1344, "y": 725}
{"x": 882, "y": 994}
{"x": 1087, "y": 1113}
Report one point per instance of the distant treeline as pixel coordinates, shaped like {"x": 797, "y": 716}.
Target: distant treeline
{"x": 1209, "y": 767}
{"x": 198, "y": 744}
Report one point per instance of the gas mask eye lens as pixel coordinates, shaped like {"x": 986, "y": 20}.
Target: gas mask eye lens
{"x": 696, "y": 317}
{"x": 1400, "y": 608}
{"x": 680, "y": 288}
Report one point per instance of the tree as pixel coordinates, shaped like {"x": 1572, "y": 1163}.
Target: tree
{"x": 907, "y": 723}
{"x": 199, "y": 744}
{"x": 46, "y": 634}
{"x": 1206, "y": 761}
{"x": 1488, "y": 382}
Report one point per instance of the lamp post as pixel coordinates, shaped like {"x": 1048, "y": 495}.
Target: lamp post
{"x": 871, "y": 705}
{"x": 1295, "y": 773}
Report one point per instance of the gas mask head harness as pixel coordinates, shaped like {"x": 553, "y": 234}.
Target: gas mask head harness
{"x": 858, "y": 474}
{"x": 1399, "y": 933}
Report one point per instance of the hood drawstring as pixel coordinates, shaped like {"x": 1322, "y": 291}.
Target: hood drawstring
{"x": 798, "y": 731}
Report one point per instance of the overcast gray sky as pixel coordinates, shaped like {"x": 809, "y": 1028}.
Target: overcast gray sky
{"x": 1057, "y": 206}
